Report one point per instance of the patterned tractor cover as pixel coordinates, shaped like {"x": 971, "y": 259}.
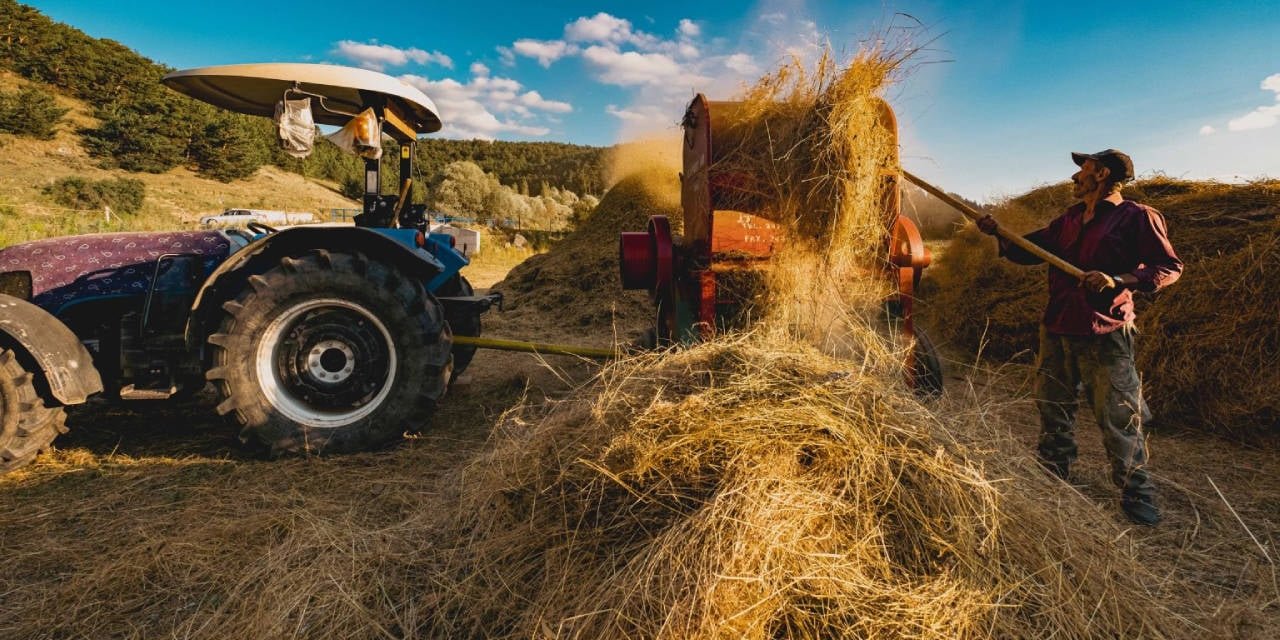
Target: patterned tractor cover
{"x": 69, "y": 269}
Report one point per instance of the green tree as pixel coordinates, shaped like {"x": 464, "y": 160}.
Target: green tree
{"x": 229, "y": 148}
{"x": 464, "y": 188}
{"x": 30, "y": 111}
{"x": 150, "y": 133}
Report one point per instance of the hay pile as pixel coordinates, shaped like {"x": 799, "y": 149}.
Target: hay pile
{"x": 573, "y": 292}
{"x": 1209, "y": 345}
{"x": 809, "y": 151}
{"x": 808, "y": 148}
{"x": 751, "y": 489}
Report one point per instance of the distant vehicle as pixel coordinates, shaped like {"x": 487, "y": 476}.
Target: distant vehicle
{"x": 240, "y": 217}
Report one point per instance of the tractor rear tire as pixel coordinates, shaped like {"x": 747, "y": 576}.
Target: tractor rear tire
{"x": 462, "y": 324}
{"x": 330, "y": 352}
{"x": 27, "y": 427}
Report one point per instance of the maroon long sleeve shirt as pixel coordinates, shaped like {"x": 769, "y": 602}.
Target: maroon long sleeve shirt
{"x": 1128, "y": 238}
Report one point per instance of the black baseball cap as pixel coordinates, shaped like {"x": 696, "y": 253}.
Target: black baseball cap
{"x": 1118, "y": 162}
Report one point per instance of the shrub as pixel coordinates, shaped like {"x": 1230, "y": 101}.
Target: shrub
{"x": 230, "y": 148}
{"x": 353, "y": 187}
{"x": 123, "y": 195}
{"x": 30, "y": 111}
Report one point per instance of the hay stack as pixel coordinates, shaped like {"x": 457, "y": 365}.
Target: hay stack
{"x": 1208, "y": 345}
{"x": 573, "y": 292}
{"x": 810, "y": 150}
{"x": 751, "y": 489}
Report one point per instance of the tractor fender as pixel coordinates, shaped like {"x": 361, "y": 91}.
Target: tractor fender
{"x": 261, "y": 255}
{"x": 64, "y": 364}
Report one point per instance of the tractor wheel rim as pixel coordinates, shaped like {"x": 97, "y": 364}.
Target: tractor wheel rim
{"x": 326, "y": 363}
{"x": 331, "y": 361}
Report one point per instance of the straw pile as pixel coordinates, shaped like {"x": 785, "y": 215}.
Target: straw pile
{"x": 754, "y": 490}
{"x": 1208, "y": 345}
{"x": 809, "y": 148}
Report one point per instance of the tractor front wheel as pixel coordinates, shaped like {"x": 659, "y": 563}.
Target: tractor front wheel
{"x": 27, "y": 427}
{"x": 330, "y": 352}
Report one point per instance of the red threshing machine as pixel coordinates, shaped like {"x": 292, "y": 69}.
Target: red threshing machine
{"x": 695, "y": 280}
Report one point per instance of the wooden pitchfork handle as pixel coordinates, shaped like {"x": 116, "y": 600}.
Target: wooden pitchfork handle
{"x": 1022, "y": 242}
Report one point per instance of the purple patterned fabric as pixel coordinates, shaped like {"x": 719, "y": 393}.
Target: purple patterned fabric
{"x": 74, "y": 267}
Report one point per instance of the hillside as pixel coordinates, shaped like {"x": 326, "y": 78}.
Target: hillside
{"x": 174, "y": 199}
{"x": 136, "y": 124}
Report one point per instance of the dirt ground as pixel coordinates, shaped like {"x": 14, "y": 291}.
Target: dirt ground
{"x": 1219, "y": 542}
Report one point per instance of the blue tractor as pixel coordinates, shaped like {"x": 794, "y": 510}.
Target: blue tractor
{"x": 317, "y": 338}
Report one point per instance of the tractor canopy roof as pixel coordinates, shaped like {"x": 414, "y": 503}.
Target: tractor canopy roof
{"x": 337, "y": 93}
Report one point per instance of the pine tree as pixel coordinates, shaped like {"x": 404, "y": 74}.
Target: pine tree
{"x": 31, "y": 112}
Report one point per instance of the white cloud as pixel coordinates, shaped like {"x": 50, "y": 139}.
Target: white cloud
{"x": 506, "y": 56}
{"x": 479, "y": 69}
{"x": 632, "y": 68}
{"x": 601, "y": 27}
{"x": 534, "y": 100}
{"x": 544, "y": 51}
{"x": 742, "y": 64}
{"x": 1263, "y": 117}
{"x": 468, "y": 109}
{"x": 660, "y": 72}
{"x": 645, "y": 118}
{"x": 380, "y": 56}
{"x": 1207, "y": 130}
{"x": 1260, "y": 118}
{"x": 496, "y": 85}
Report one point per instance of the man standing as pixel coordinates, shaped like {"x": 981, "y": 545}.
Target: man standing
{"x": 1087, "y": 334}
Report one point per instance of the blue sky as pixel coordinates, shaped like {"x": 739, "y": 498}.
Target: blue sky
{"x": 1189, "y": 89}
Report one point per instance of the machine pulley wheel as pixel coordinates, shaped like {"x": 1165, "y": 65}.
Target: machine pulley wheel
{"x": 663, "y": 257}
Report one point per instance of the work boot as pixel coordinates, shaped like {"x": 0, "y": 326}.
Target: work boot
{"x": 1140, "y": 508}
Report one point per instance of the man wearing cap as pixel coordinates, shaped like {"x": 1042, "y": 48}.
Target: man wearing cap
{"x": 1087, "y": 333}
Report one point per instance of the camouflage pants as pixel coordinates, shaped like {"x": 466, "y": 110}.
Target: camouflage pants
{"x": 1104, "y": 366}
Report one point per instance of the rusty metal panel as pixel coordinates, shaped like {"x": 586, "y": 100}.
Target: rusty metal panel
{"x": 743, "y": 233}
{"x": 695, "y": 195}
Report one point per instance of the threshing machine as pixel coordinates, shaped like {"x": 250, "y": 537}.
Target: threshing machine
{"x": 695, "y": 279}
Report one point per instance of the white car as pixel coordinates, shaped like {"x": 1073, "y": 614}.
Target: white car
{"x": 240, "y": 217}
